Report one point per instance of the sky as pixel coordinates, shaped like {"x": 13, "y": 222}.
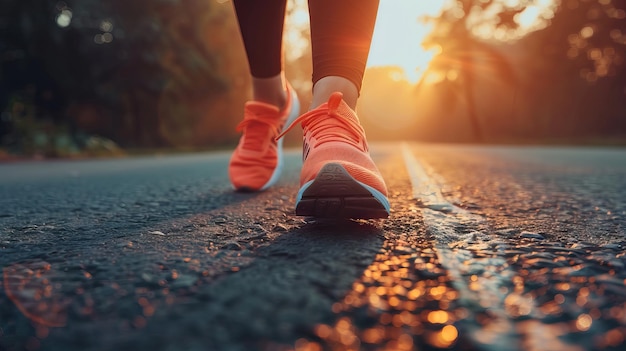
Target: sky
{"x": 399, "y": 32}
{"x": 398, "y": 35}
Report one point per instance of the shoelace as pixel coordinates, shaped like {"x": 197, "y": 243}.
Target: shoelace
{"x": 323, "y": 127}
{"x": 255, "y": 137}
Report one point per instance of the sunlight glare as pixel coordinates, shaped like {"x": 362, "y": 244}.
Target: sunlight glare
{"x": 534, "y": 17}
{"x": 399, "y": 33}
{"x": 296, "y": 25}
{"x": 64, "y": 18}
{"x": 528, "y": 16}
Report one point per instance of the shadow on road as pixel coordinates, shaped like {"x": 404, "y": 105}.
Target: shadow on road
{"x": 289, "y": 288}
{"x": 157, "y": 291}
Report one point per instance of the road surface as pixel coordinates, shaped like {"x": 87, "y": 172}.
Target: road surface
{"x": 487, "y": 248}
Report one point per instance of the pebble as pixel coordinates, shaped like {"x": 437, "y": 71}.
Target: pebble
{"x": 184, "y": 281}
{"x": 584, "y": 272}
{"x": 259, "y": 229}
{"x": 532, "y": 235}
{"x": 507, "y": 232}
{"x": 541, "y": 263}
{"x": 280, "y": 228}
{"x": 232, "y": 246}
{"x": 403, "y": 250}
{"x": 543, "y": 255}
{"x": 219, "y": 220}
{"x": 582, "y": 246}
{"x": 148, "y": 278}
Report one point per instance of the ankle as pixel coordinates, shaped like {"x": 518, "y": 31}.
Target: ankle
{"x": 270, "y": 90}
{"x": 325, "y": 87}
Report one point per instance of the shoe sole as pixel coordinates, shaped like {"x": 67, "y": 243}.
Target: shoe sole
{"x": 334, "y": 193}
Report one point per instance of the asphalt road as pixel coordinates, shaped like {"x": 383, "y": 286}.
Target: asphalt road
{"x": 487, "y": 248}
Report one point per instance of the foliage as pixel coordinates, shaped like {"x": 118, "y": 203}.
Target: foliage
{"x": 76, "y": 75}
{"x": 565, "y": 81}
{"x": 136, "y": 72}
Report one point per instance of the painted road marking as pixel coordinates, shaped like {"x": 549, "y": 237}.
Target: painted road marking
{"x": 485, "y": 285}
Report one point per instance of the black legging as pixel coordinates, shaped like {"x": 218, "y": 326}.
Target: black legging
{"x": 341, "y": 32}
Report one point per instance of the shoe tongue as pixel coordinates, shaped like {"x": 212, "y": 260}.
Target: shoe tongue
{"x": 260, "y": 108}
{"x": 334, "y": 101}
{"x": 257, "y": 131}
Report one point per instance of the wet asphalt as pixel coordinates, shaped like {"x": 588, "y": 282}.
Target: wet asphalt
{"x": 524, "y": 250}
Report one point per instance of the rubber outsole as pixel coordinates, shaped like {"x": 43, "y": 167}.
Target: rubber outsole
{"x": 334, "y": 193}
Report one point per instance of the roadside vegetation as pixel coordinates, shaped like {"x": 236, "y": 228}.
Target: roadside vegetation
{"x": 90, "y": 78}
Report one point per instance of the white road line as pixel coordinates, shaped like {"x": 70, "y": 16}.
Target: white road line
{"x": 484, "y": 284}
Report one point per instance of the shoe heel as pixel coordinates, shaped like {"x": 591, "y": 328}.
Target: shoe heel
{"x": 334, "y": 193}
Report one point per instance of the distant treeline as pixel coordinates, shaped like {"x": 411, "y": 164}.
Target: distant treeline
{"x": 141, "y": 73}
{"x": 172, "y": 73}
{"x": 563, "y": 83}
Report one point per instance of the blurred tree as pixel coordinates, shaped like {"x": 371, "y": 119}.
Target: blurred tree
{"x": 27, "y": 92}
{"x": 138, "y": 72}
{"x": 170, "y": 51}
{"x": 578, "y": 89}
{"x": 598, "y": 39}
{"x": 463, "y": 55}
{"x": 517, "y": 82}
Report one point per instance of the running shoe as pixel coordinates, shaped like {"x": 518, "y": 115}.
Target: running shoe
{"x": 339, "y": 178}
{"x": 258, "y": 159}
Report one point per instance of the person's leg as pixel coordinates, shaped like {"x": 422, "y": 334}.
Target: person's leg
{"x": 256, "y": 163}
{"x": 261, "y": 26}
{"x": 341, "y": 33}
{"x": 339, "y": 178}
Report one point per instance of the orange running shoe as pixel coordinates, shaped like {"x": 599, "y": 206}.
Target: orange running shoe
{"x": 257, "y": 161}
{"x": 339, "y": 178}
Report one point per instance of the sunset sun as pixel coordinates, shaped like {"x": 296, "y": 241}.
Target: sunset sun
{"x": 399, "y": 33}
{"x": 411, "y": 55}
{"x": 397, "y": 36}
